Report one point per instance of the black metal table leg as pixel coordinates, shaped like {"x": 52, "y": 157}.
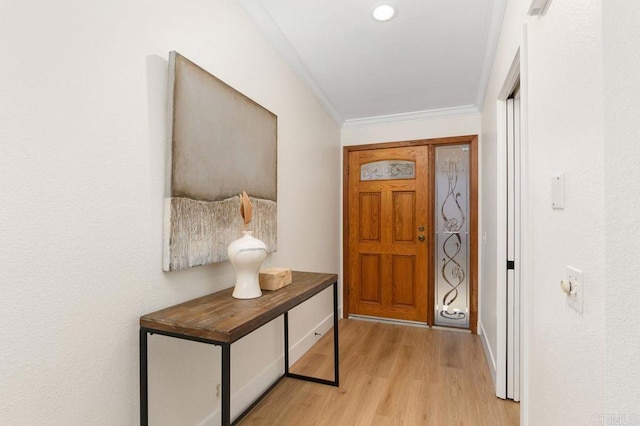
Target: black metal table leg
{"x": 336, "y": 381}
{"x": 226, "y": 385}
{"x": 336, "y": 351}
{"x": 286, "y": 343}
{"x": 144, "y": 392}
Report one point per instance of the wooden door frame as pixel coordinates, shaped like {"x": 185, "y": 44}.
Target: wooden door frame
{"x": 472, "y": 140}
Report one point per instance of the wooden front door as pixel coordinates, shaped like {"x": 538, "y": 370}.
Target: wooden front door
{"x": 388, "y": 251}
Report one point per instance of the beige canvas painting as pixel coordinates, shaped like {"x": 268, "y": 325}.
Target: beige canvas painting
{"x": 221, "y": 144}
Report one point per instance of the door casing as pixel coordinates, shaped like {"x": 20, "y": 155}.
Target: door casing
{"x": 472, "y": 140}
{"x": 513, "y": 78}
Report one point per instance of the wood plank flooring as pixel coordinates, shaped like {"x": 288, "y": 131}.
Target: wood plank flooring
{"x": 390, "y": 375}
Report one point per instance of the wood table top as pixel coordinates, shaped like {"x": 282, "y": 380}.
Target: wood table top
{"x": 221, "y": 318}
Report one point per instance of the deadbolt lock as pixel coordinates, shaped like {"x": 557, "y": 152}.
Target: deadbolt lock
{"x": 421, "y": 229}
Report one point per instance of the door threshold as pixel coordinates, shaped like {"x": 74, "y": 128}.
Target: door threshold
{"x": 389, "y": 320}
{"x": 457, "y": 330}
{"x": 409, "y": 323}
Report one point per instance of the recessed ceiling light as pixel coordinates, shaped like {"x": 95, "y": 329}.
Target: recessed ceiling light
{"x": 384, "y": 12}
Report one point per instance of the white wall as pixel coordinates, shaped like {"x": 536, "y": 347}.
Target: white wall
{"x": 563, "y": 77}
{"x": 83, "y": 128}
{"x": 566, "y": 135}
{"x": 621, "y": 41}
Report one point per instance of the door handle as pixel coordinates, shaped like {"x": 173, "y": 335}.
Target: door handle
{"x": 421, "y": 237}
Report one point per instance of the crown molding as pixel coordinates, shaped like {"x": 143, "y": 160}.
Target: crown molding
{"x": 497, "y": 15}
{"x": 407, "y": 116}
{"x": 265, "y": 22}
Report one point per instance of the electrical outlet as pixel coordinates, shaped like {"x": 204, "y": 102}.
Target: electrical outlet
{"x": 576, "y": 281}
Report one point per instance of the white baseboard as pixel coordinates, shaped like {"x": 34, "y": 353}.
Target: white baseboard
{"x": 244, "y": 397}
{"x": 491, "y": 361}
{"x": 303, "y": 345}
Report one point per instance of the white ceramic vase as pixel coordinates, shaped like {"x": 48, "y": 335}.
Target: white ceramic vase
{"x": 246, "y": 255}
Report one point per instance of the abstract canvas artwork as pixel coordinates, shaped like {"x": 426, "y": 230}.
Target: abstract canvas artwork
{"x": 221, "y": 144}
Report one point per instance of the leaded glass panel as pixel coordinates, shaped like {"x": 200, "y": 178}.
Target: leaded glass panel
{"x": 387, "y": 170}
{"x": 452, "y": 236}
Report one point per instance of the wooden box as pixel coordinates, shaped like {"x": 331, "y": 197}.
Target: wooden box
{"x": 274, "y": 278}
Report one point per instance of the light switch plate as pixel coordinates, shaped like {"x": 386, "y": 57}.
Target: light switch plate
{"x": 557, "y": 191}
{"x": 575, "y": 277}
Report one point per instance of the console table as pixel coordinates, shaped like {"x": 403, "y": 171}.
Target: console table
{"x": 219, "y": 319}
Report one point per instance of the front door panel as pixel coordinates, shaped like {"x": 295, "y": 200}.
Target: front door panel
{"x": 388, "y": 248}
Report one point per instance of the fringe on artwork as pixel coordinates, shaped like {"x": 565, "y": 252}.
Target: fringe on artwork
{"x": 198, "y": 232}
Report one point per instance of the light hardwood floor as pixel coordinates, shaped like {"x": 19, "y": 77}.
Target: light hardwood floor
{"x": 390, "y": 375}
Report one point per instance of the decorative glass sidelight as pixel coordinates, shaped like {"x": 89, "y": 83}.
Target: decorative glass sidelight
{"x": 452, "y": 236}
{"x": 388, "y": 169}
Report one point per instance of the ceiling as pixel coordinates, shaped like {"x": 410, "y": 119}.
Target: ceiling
{"x": 432, "y": 59}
